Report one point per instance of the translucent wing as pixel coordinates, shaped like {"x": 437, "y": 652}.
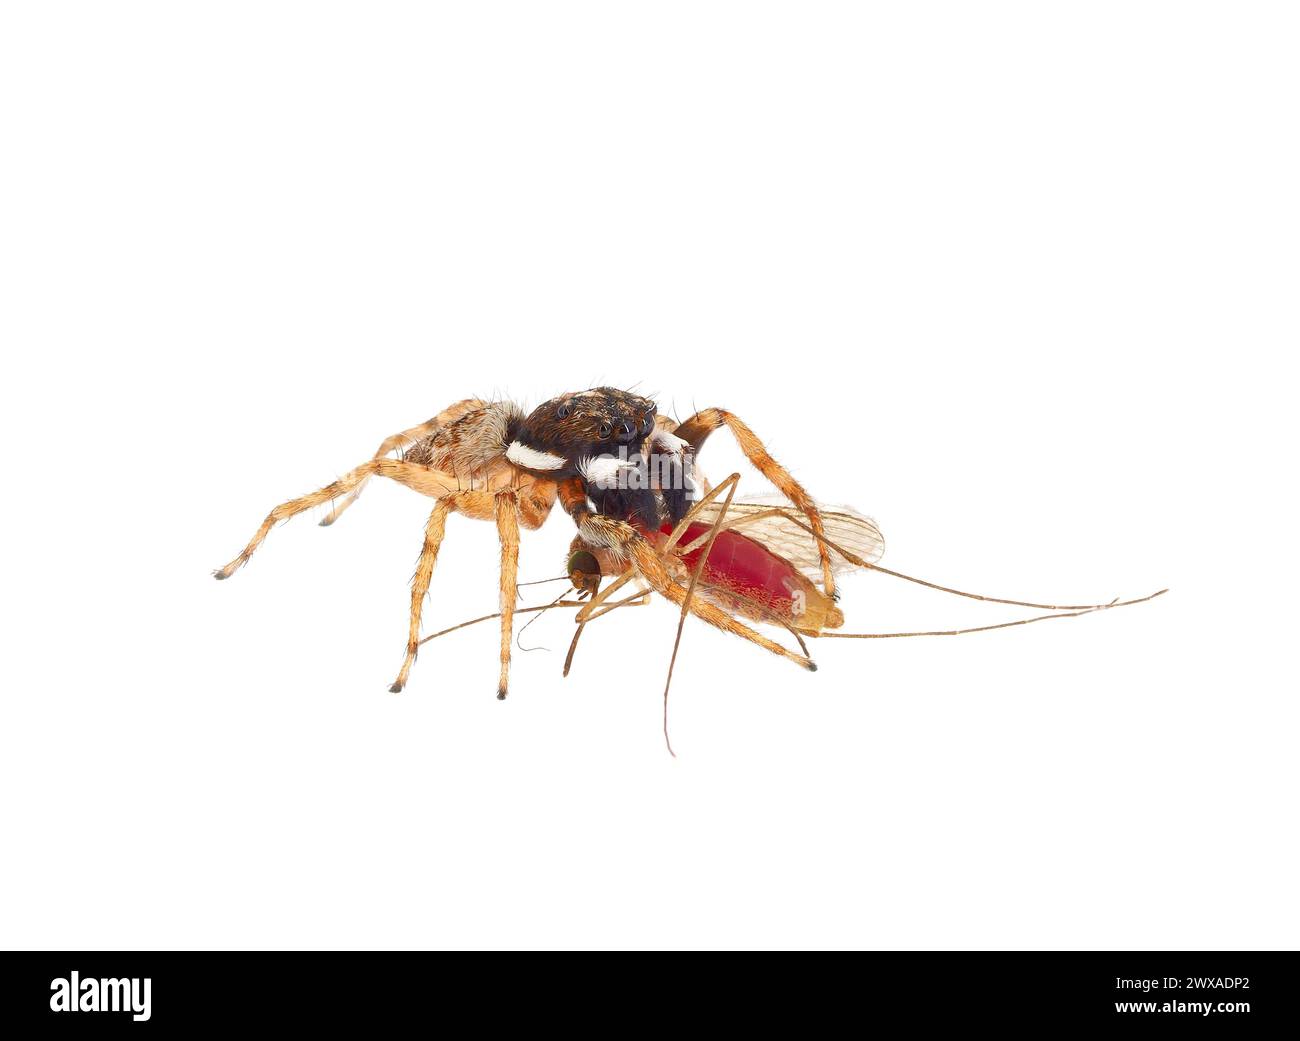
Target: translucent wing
{"x": 844, "y": 525}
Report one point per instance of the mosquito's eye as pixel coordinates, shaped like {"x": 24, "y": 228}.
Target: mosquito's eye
{"x": 605, "y": 430}
{"x": 563, "y": 411}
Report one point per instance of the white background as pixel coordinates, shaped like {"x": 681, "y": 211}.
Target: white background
{"x": 1018, "y": 279}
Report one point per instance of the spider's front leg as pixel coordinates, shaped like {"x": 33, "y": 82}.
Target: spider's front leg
{"x": 625, "y": 540}
{"x": 699, "y": 426}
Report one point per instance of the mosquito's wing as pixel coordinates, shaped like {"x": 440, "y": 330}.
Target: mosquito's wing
{"x": 844, "y": 526}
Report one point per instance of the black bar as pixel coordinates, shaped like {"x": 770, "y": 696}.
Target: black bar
{"x": 1244, "y": 992}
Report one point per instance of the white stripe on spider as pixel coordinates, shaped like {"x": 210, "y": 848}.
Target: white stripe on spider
{"x": 532, "y": 459}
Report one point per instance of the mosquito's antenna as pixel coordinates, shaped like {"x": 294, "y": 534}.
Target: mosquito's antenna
{"x": 686, "y": 604}
{"x": 544, "y": 609}
{"x": 543, "y": 581}
{"x": 489, "y": 617}
{"x": 1076, "y": 608}
{"x": 853, "y": 558}
{"x": 1000, "y": 625}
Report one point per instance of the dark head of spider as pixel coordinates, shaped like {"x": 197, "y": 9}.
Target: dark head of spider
{"x": 560, "y": 435}
{"x": 588, "y": 434}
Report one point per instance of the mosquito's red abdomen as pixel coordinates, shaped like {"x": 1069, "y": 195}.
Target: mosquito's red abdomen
{"x": 758, "y": 583}
{"x": 740, "y": 565}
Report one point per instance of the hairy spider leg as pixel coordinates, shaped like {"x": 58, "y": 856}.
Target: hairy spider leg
{"x": 627, "y": 542}
{"x": 699, "y": 426}
{"x": 422, "y": 478}
{"x": 402, "y": 440}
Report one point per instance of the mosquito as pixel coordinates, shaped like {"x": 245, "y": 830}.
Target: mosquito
{"x": 627, "y": 477}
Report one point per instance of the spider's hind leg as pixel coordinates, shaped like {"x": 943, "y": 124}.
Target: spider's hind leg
{"x": 293, "y": 507}
{"x": 403, "y": 440}
{"x": 422, "y": 479}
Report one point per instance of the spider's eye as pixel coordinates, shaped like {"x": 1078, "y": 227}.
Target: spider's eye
{"x": 563, "y": 411}
{"x": 605, "y": 430}
{"x": 648, "y": 423}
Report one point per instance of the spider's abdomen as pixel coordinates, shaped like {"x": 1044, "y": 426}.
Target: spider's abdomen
{"x": 473, "y": 443}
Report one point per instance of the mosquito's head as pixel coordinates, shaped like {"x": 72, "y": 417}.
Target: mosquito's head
{"x": 563, "y": 432}
{"x": 584, "y": 569}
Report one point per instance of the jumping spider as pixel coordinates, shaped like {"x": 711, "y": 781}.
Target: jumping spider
{"x": 490, "y": 461}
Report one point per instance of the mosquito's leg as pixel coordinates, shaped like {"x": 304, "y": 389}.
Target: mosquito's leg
{"x": 637, "y": 599}
{"x": 605, "y": 531}
{"x": 589, "y": 613}
{"x": 433, "y": 532}
{"x": 731, "y": 525}
{"x": 694, "y": 512}
{"x": 702, "y": 424}
{"x": 589, "y": 609}
{"x": 508, "y": 529}
{"x": 619, "y": 536}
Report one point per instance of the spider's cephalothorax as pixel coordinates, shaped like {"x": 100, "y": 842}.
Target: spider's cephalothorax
{"x": 632, "y": 466}
{"x": 564, "y": 436}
